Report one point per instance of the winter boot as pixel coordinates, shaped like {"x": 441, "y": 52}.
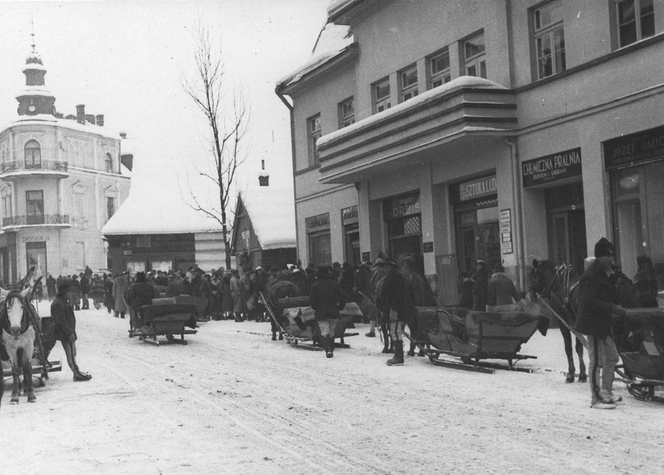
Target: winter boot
{"x": 398, "y": 354}
{"x": 328, "y": 344}
{"x": 80, "y": 375}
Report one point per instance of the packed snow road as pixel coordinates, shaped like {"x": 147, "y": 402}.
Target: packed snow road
{"x": 233, "y": 401}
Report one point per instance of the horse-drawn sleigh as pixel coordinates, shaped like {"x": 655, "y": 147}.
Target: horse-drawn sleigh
{"x": 472, "y": 337}
{"x": 294, "y": 319}
{"x": 165, "y": 317}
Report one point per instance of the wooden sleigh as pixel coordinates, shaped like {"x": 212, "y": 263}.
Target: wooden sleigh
{"x": 471, "y": 337}
{"x": 164, "y": 318}
{"x": 295, "y": 318}
{"x": 640, "y": 342}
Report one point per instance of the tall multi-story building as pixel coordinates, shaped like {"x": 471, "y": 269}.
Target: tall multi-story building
{"x": 60, "y": 181}
{"x": 502, "y": 130}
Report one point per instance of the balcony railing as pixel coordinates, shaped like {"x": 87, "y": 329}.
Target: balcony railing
{"x": 36, "y": 220}
{"x": 49, "y": 166}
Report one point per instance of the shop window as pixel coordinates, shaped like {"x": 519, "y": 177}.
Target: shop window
{"x": 475, "y": 56}
{"x": 439, "y": 69}
{"x": 381, "y": 95}
{"x": 313, "y": 134}
{"x": 549, "y": 39}
{"x": 32, "y": 154}
{"x": 346, "y": 113}
{"x": 635, "y": 20}
{"x": 320, "y": 248}
{"x": 408, "y": 83}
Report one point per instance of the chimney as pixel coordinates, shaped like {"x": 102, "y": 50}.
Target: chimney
{"x": 123, "y": 135}
{"x": 80, "y": 114}
{"x": 100, "y": 120}
{"x": 90, "y": 118}
{"x": 263, "y": 176}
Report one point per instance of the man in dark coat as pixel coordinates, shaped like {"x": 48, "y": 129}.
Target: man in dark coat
{"x": 481, "y": 288}
{"x": 85, "y": 290}
{"x": 140, "y": 293}
{"x": 65, "y": 329}
{"x": 598, "y": 301}
{"x": 51, "y": 287}
{"x": 75, "y": 292}
{"x": 326, "y": 299}
{"x": 391, "y": 302}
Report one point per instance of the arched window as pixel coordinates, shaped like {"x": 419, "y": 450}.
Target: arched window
{"x": 109, "y": 163}
{"x": 32, "y": 154}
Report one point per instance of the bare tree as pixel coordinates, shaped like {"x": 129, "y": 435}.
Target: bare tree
{"x": 227, "y": 119}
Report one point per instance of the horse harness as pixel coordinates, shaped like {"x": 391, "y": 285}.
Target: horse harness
{"x": 4, "y": 318}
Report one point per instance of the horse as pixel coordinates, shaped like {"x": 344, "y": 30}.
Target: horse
{"x": 17, "y": 332}
{"x": 558, "y": 286}
{"x": 18, "y": 337}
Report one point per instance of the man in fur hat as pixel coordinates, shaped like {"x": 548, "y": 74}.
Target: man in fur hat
{"x": 598, "y": 302}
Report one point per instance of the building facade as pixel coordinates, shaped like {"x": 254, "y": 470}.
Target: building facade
{"x": 506, "y": 131}
{"x": 60, "y": 181}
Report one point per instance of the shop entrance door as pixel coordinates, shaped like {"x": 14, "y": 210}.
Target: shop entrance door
{"x": 568, "y": 238}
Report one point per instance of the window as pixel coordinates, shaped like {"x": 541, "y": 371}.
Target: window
{"x": 549, "y": 39}
{"x": 35, "y": 206}
{"x": 408, "y": 83}
{"x": 79, "y": 259}
{"x": 314, "y": 133}
{"x": 381, "y": 95}
{"x": 110, "y": 207}
{"x": 346, "y": 113}
{"x": 32, "y": 154}
{"x": 35, "y": 253}
{"x": 78, "y": 196}
{"x": 320, "y": 248}
{"x": 475, "y": 56}
{"x": 7, "y": 205}
{"x": 636, "y": 20}
{"x": 439, "y": 69}
{"x": 109, "y": 163}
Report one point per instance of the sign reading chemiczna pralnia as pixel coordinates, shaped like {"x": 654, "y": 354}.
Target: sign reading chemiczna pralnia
{"x": 633, "y": 149}
{"x": 556, "y": 166}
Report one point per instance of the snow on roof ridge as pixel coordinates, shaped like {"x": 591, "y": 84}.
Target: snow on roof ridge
{"x": 272, "y": 214}
{"x": 332, "y": 41}
{"x": 458, "y": 83}
{"x": 61, "y": 122}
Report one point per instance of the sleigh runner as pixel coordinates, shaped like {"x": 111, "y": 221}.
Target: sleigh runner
{"x": 472, "y": 337}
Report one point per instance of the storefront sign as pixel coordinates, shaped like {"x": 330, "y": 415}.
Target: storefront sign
{"x": 318, "y": 222}
{"x": 366, "y": 256}
{"x": 634, "y": 149}
{"x": 349, "y": 215}
{"x": 478, "y": 188}
{"x": 506, "y": 231}
{"x": 427, "y": 246}
{"x": 35, "y": 238}
{"x": 552, "y": 167}
{"x": 402, "y": 206}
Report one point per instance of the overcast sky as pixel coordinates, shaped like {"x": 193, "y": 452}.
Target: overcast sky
{"x": 125, "y": 60}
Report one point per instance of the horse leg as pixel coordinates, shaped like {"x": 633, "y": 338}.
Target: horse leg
{"x": 27, "y": 378}
{"x": 16, "y": 377}
{"x": 583, "y": 377}
{"x": 567, "y": 338}
{"x": 387, "y": 340}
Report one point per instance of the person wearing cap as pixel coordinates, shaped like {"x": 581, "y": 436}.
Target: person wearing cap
{"x": 391, "y": 302}
{"x": 327, "y": 300}
{"x": 65, "y": 328}
{"x": 502, "y": 295}
{"x": 378, "y": 273}
{"x": 598, "y": 302}
{"x": 480, "y": 289}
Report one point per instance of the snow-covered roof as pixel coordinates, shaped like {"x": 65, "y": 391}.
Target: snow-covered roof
{"x": 336, "y": 6}
{"x": 458, "y": 83}
{"x": 41, "y": 119}
{"x": 332, "y": 41}
{"x": 166, "y": 213}
{"x": 272, "y": 213}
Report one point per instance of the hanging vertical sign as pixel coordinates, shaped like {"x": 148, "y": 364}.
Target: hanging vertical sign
{"x": 506, "y": 231}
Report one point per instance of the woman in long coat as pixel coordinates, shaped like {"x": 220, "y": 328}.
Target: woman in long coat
{"x": 120, "y": 288}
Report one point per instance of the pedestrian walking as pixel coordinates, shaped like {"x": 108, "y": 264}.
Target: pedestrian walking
{"x": 65, "y": 329}
{"x": 327, "y": 300}
{"x": 391, "y": 302}
{"x": 120, "y": 288}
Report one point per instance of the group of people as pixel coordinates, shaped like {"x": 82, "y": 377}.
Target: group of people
{"x": 493, "y": 292}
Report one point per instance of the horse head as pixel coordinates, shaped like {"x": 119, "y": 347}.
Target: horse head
{"x": 542, "y": 275}
{"x": 13, "y": 311}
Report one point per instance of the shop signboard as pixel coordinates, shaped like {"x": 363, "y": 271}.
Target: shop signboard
{"x": 349, "y": 215}
{"x": 506, "y": 231}
{"x": 318, "y": 222}
{"x": 402, "y": 206}
{"x": 478, "y": 188}
{"x": 554, "y": 167}
{"x": 634, "y": 149}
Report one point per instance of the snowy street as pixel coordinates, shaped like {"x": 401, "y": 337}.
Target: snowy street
{"x": 233, "y": 401}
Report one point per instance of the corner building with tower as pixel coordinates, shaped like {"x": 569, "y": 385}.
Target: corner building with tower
{"x": 61, "y": 179}
{"x": 506, "y": 131}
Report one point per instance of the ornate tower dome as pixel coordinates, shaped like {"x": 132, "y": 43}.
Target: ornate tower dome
{"x": 35, "y": 98}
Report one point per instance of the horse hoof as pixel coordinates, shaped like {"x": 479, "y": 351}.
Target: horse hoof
{"x": 13, "y": 400}
{"x": 411, "y": 353}
{"x": 569, "y": 379}
{"x": 385, "y": 350}
{"x": 583, "y": 378}
{"x": 32, "y": 398}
